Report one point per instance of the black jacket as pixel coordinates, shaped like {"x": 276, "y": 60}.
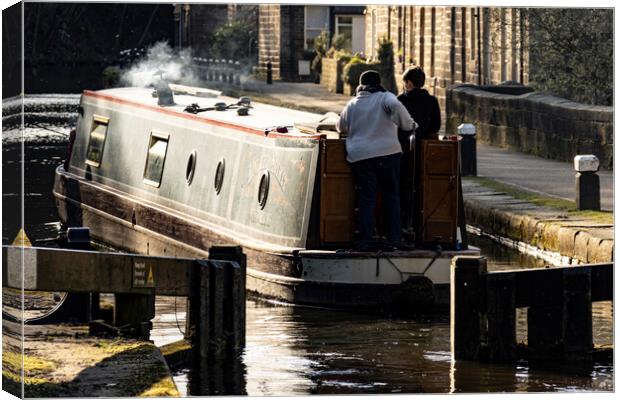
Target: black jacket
{"x": 424, "y": 109}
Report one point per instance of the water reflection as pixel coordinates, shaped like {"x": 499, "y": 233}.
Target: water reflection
{"x": 299, "y": 350}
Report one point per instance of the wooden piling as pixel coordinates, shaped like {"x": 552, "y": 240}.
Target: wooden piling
{"x": 577, "y": 315}
{"x": 133, "y": 313}
{"x": 467, "y": 306}
{"x": 235, "y": 283}
{"x": 216, "y": 315}
{"x": 544, "y": 332}
{"x": 501, "y": 316}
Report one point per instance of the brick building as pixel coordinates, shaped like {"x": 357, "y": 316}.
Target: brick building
{"x": 478, "y": 45}
{"x": 287, "y": 31}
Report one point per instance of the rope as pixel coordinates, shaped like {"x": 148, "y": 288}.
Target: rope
{"x": 47, "y": 129}
{"x": 176, "y": 317}
{"x": 380, "y": 253}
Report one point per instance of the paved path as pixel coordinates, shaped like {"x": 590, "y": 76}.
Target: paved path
{"x": 550, "y": 177}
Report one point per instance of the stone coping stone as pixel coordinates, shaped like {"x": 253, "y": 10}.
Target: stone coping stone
{"x": 548, "y": 229}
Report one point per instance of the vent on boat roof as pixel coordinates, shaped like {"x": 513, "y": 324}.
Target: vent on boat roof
{"x": 242, "y": 106}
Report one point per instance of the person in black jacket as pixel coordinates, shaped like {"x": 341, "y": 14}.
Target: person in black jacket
{"x": 424, "y": 109}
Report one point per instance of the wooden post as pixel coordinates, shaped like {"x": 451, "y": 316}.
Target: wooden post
{"x": 501, "y": 312}
{"x": 134, "y": 313}
{"x": 467, "y": 308}
{"x": 544, "y": 332}
{"x": 577, "y": 316}
{"x": 235, "y": 284}
{"x": 197, "y": 330}
{"x": 216, "y": 307}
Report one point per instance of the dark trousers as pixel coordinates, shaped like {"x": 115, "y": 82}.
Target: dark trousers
{"x": 371, "y": 175}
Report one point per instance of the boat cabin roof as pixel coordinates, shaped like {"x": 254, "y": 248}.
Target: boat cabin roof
{"x": 261, "y": 119}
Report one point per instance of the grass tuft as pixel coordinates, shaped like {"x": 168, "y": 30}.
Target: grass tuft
{"x": 567, "y": 206}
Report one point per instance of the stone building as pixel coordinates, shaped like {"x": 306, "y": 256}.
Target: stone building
{"x": 477, "y": 45}
{"x": 286, "y": 35}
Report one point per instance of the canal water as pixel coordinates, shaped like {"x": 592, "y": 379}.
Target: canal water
{"x": 294, "y": 350}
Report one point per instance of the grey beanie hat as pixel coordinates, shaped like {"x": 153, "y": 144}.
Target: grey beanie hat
{"x": 371, "y": 77}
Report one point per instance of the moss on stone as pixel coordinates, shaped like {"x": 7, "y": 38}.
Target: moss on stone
{"x": 32, "y": 365}
{"x": 603, "y": 217}
{"x": 164, "y": 387}
{"x": 34, "y": 386}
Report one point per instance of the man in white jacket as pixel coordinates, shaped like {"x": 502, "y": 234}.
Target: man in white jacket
{"x": 371, "y": 121}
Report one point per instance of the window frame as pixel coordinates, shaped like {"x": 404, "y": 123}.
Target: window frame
{"x": 161, "y": 136}
{"x": 345, "y": 24}
{"x": 325, "y": 27}
{"x": 97, "y": 121}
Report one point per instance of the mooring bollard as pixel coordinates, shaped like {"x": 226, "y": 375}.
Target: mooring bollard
{"x": 269, "y": 73}
{"x": 467, "y": 298}
{"x": 587, "y": 184}
{"x": 468, "y": 149}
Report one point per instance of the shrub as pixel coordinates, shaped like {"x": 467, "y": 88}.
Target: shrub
{"x": 230, "y": 41}
{"x": 354, "y": 68}
{"x": 320, "y": 47}
{"x": 385, "y": 55}
{"x": 338, "y": 42}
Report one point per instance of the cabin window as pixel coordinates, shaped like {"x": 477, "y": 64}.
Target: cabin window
{"x": 191, "y": 166}
{"x": 155, "y": 158}
{"x": 96, "y": 140}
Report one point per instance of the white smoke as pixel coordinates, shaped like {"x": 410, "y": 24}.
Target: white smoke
{"x": 160, "y": 58}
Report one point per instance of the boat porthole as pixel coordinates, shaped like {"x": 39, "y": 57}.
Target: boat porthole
{"x": 219, "y": 175}
{"x": 263, "y": 189}
{"x": 191, "y": 166}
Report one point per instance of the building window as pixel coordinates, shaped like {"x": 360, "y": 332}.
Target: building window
{"x": 155, "y": 158}
{"x": 96, "y": 140}
{"x": 344, "y": 27}
{"x": 316, "y": 21}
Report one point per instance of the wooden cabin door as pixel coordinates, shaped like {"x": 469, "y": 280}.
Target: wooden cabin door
{"x": 440, "y": 191}
{"x": 337, "y": 194}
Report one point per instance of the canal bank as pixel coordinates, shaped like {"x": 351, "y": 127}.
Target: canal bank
{"x": 63, "y": 361}
{"x": 584, "y": 236}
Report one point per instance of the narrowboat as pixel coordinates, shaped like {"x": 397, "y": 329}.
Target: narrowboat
{"x": 177, "y": 170}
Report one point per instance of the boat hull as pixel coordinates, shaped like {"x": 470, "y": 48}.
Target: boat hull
{"x": 298, "y": 276}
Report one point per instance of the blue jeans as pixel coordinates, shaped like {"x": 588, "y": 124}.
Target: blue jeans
{"x": 371, "y": 175}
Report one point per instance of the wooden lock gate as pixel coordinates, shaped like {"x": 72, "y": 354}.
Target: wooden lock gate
{"x": 215, "y": 287}
{"x": 559, "y": 311}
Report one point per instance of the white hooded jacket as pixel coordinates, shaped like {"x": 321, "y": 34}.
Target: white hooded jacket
{"x": 371, "y": 122}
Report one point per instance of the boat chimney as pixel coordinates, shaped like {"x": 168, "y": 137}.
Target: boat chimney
{"x": 164, "y": 93}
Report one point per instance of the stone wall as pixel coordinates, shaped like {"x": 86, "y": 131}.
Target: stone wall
{"x": 291, "y": 41}
{"x": 534, "y": 123}
{"x": 331, "y": 74}
{"x": 269, "y": 38}
{"x": 280, "y": 39}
